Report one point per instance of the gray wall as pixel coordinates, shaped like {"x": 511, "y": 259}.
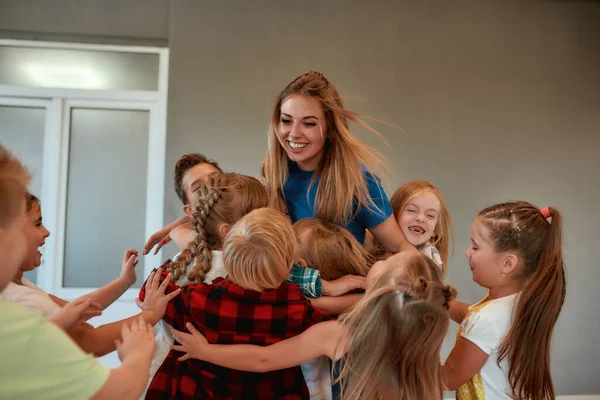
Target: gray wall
{"x": 496, "y": 100}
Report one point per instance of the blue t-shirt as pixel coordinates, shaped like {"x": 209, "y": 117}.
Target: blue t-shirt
{"x": 301, "y": 203}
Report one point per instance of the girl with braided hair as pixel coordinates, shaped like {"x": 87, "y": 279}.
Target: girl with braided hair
{"x": 405, "y": 308}
{"x": 217, "y": 205}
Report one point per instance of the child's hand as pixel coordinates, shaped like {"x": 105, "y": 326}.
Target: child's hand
{"x": 191, "y": 343}
{"x": 156, "y": 300}
{"x": 342, "y": 285}
{"x": 130, "y": 260}
{"x": 158, "y": 239}
{"x": 137, "y": 340}
{"x": 75, "y": 312}
{"x": 162, "y": 237}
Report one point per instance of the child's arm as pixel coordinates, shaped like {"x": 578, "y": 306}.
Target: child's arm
{"x": 458, "y": 310}
{"x": 129, "y": 380}
{"x": 336, "y": 305}
{"x": 101, "y": 340}
{"x": 343, "y": 285}
{"x": 182, "y": 235}
{"x": 465, "y": 360}
{"x": 107, "y": 294}
{"x": 318, "y": 340}
{"x": 388, "y": 233}
{"x": 75, "y": 312}
{"x": 160, "y": 238}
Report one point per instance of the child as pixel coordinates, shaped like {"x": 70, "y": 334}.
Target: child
{"x": 191, "y": 171}
{"x": 388, "y": 345}
{"x": 503, "y": 344}
{"x": 98, "y": 341}
{"x": 330, "y": 248}
{"x": 254, "y": 305}
{"x": 38, "y": 360}
{"x": 320, "y": 170}
{"x": 425, "y": 221}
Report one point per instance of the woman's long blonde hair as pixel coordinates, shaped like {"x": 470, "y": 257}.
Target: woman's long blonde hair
{"x": 395, "y": 335}
{"x": 341, "y": 171}
{"x": 332, "y": 249}
{"x": 224, "y": 199}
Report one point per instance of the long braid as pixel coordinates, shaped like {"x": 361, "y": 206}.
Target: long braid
{"x": 203, "y": 256}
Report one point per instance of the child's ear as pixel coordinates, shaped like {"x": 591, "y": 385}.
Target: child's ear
{"x": 511, "y": 262}
{"x": 224, "y": 230}
{"x": 187, "y": 210}
{"x": 302, "y": 262}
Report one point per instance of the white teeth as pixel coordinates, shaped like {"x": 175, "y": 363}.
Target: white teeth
{"x": 297, "y": 145}
{"x": 416, "y": 229}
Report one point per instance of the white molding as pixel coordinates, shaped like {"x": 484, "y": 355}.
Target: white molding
{"x": 47, "y": 92}
{"x": 81, "y": 46}
{"x": 20, "y": 102}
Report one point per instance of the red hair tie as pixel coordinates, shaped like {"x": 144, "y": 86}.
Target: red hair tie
{"x": 545, "y": 212}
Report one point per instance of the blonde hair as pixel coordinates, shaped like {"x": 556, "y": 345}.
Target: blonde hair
{"x": 14, "y": 179}
{"x": 258, "y": 250}
{"x": 224, "y": 199}
{"x": 408, "y": 314}
{"x": 443, "y": 237}
{"x": 346, "y": 159}
{"x": 332, "y": 249}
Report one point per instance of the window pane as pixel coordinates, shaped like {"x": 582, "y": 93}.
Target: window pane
{"x": 78, "y": 69}
{"x": 106, "y": 195}
{"x": 22, "y": 131}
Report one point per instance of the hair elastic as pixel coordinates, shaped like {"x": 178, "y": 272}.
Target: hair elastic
{"x": 545, "y": 212}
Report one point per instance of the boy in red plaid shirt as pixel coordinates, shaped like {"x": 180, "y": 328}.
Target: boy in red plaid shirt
{"x": 253, "y": 306}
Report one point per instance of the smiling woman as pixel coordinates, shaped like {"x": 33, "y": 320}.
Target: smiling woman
{"x": 320, "y": 169}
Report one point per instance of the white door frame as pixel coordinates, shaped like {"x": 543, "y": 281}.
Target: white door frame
{"x": 58, "y": 103}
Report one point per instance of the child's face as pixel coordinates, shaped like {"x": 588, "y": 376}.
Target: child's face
{"x": 419, "y": 218}
{"x": 302, "y": 130}
{"x": 36, "y": 234}
{"x": 13, "y": 247}
{"x": 195, "y": 177}
{"x": 485, "y": 262}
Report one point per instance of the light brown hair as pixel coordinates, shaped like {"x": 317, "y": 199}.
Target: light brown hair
{"x": 182, "y": 166}
{"x": 521, "y": 228}
{"x": 332, "y": 249}
{"x": 406, "y": 310}
{"x": 341, "y": 171}
{"x": 14, "y": 179}
{"x": 224, "y": 199}
{"x": 258, "y": 250}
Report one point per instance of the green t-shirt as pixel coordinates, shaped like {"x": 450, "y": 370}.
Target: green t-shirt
{"x": 39, "y": 361}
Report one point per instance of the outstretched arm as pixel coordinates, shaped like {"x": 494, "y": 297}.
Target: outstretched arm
{"x": 318, "y": 340}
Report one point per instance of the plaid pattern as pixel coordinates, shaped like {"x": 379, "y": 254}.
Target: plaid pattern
{"x": 226, "y": 314}
{"x": 307, "y": 279}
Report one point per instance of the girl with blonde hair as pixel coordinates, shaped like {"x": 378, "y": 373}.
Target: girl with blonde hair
{"x": 424, "y": 219}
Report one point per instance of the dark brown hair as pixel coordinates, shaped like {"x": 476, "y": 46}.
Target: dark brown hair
{"x": 183, "y": 165}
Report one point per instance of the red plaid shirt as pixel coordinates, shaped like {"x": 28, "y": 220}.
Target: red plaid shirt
{"x": 226, "y": 313}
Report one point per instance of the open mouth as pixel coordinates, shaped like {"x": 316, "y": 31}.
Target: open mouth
{"x": 416, "y": 229}
{"x": 297, "y": 146}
